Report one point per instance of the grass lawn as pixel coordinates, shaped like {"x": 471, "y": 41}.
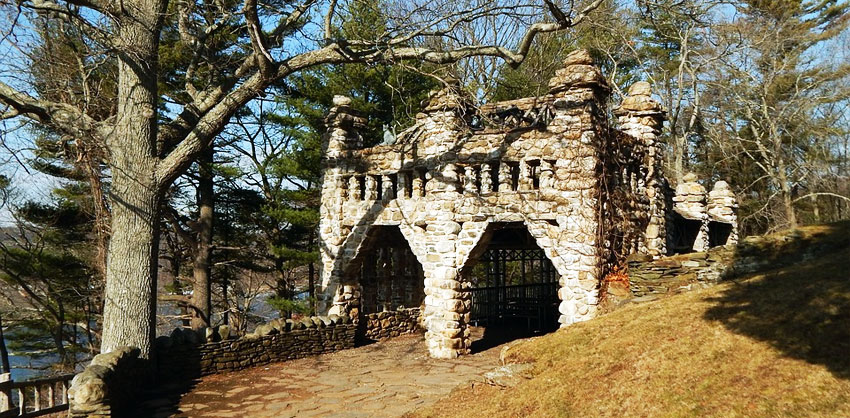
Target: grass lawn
{"x": 771, "y": 344}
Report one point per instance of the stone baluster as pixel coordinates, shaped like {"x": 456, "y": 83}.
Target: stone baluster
{"x": 545, "y": 175}
{"x": 505, "y": 180}
{"x": 416, "y": 186}
{"x": 402, "y": 185}
{"x": 386, "y": 188}
{"x": 524, "y": 181}
{"x": 371, "y": 188}
{"x": 486, "y": 178}
{"x": 469, "y": 180}
{"x": 353, "y": 189}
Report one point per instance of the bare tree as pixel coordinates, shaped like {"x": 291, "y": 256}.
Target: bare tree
{"x": 777, "y": 102}
{"x": 148, "y": 146}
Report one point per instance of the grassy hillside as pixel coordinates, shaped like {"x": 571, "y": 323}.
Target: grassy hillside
{"x": 770, "y": 344}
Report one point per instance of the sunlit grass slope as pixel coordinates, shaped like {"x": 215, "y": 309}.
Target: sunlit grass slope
{"x": 770, "y": 344}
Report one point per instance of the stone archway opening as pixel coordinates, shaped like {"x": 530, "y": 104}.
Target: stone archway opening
{"x": 513, "y": 286}
{"x": 718, "y": 233}
{"x": 391, "y": 285}
{"x": 683, "y": 234}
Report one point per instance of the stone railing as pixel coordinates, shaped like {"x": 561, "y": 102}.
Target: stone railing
{"x": 185, "y": 354}
{"x": 388, "y": 324}
{"x": 108, "y": 386}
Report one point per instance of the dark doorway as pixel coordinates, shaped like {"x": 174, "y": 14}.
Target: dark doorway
{"x": 683, "y": 234}
{"x": 514, "y": 285}
{"x": 718, "y": 233}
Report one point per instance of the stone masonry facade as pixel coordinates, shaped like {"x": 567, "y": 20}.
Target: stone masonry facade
{"x": 588, "y": 193}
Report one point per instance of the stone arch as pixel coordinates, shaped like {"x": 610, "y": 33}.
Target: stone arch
{"x": 511, "y": 279}
{"x": 384, "y": 274}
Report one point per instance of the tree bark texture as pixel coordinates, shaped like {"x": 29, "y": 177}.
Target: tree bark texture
{"x": 130, "y": 303}
{"x": 202, "y": 266}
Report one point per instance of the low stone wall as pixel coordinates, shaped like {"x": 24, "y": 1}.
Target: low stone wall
{"x": 182, "y": 356}
{"x": 108, "y": 386}
{"x": 677, "y": 273}
{"x": 648, "y": 277}
{"x": 383, "y": 325}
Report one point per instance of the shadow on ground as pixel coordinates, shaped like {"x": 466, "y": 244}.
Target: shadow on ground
{"x": 803, "y": 308}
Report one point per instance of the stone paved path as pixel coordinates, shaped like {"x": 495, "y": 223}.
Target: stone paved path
{"x": 384, "y": 379}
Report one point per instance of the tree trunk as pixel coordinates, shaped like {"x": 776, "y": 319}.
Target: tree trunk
{"x": 787, "y": 197}
{"x": 202, "y": 265}
{"x": 130, "y": 305}
{"x": 4, "y": 353}
{"x": 311, "y": 286}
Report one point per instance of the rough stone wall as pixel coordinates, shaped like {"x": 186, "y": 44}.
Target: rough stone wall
{"x": 536, "y": 161}
{"x": 186, "y": 354}
{"x": 108, "y": 386}
{"x": 588, "y": 193}
{"x": 641, "y": 118}
{"x": 383, "y": 325}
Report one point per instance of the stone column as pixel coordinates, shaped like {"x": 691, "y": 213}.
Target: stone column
{"x": 486, "y": 178}
{"x": 545, "y": 175}
{"x": 353, "y": 189}
{"x": 642, "y": 117}
{"x": 386, "y": 188}
{"x": 524, "y": 183}
{"x": 505, "y": 180}
{"x": 371, "y": 193}
{"x": 447, "y": 303}
{"x": 721, "y": 208}
{"x": 343, "y": 135}
{"x": 469, "y": 180}
{"x": 402, "y": 185}
{"x": 417, "y": 186}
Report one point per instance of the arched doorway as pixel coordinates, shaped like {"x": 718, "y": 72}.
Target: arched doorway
{"x": 391, "y": 285}
{"x": 513, "y": 285}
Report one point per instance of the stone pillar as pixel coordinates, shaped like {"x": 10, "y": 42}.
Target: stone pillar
{"x": 505, "y": 180}
{"x": 524, "y": 183}
{"x": 371, "y": 193}
{"x": 353, "y": 189}
{"x": 580, "y": 123}
{"x": 486, "y": 178}
{"x": 402, "y": 185}
{"x": 642, "y": 117}
{"x": 721, "y": 208}
{"x": 343, "y": 135}
{"x": 545, "y": 175}
{"x": 469, "y": 180}
{"x": 386, "y": 188}
{"x": 447, "y": 303}
{"x": 417, "y": 186}
{"x": 689, "y": 202}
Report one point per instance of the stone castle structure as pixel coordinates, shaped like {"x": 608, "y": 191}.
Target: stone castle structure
{"x": 404, "y": 224}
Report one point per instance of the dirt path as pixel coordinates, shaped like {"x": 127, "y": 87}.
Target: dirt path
{"x": 383, "y": 379}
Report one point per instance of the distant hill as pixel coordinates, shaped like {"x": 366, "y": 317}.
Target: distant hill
{"x": 776, "y": 343}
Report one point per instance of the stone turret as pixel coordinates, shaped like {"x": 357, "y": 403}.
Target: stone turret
{"x": 344, "y": 125}
{"x": 642, "y": 117}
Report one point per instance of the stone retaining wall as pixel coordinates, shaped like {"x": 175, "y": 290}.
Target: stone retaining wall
{"x": 383, "y": 325}
{"x": 673, "y": 274}
{"x": 182, "y": 356}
